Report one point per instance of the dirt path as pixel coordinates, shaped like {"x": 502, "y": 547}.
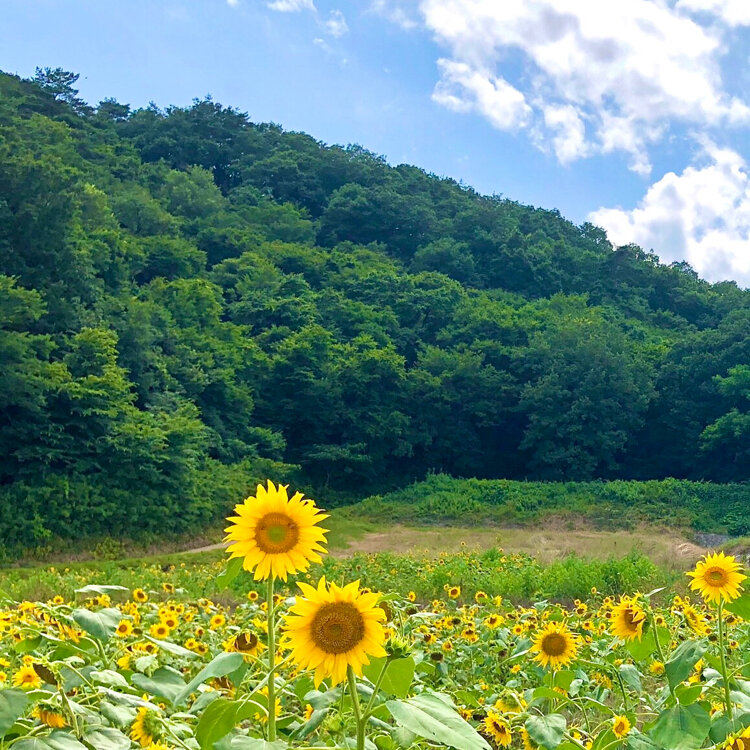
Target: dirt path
{"x": 664, "y": 547}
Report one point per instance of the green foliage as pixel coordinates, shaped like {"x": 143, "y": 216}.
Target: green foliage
{"x": 616, "y": 504}
{"x": 186, "y": 296}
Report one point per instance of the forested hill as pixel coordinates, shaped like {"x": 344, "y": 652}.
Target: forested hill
{"x": 188, "y": 296}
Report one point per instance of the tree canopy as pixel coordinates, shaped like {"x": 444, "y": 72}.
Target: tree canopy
{"x": 189, "y": 299}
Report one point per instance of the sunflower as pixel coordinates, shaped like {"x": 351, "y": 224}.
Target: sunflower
{"x": 276, "y": 535}
{"x": 332, "y": 628}
{"x": 146, "y": 728}
{"x": 124, "y": 629}
{"x": 497, "y": 728}
{"x": 656, "y": 667}
{"x": 49, "y": 715}
{"x": 620, "y": 726}
{"x": 738, "y": 741}
{"x": 252, "y": 596}
{"x": 627, "y": 619}
{"x": 245, "y": 643}
{"x": 159, "y": 630}
{"x": 454, "y": 592}
{"x": 717, "y": 576}
{"x": 217, "y": 621}
{"x": 139, "y": 595}
{"x": 555, "y": 645}
{"x": 27, "y": 678}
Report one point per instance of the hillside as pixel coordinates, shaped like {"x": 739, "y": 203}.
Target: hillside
{"x": 192, "y": 301}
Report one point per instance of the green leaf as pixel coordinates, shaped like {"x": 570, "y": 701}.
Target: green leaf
{"x": 126, "y": 699}
{"x": 631, "y": 677}
{"x": 398, "y": 676}
{"x": 164, "y": 682}
{"x": 642, "y": 649}
{"x": 106, "y": 738}
{"x": 12, "y": 705}
{"x": 101, "y": 624}
{"x": 682, "y": 661}
{"x": 172, "y": 648}
{"x": 431, "y": 717}
{"x": 217, "y": 720}
{"x": 740, "y": 606}
{"x": 546, "y": 731}
{"x": 57, "y": 740}
{"x": 108, "y": 677}
{"x": 243, "y": 742}
{"x": 225, "y": 578}
{"x": 687, "y": 694}
{"x": 638, "y": 741}
{"x": 220, "y": 665}
{"x": 681, "y": 727}
{"x": 122, "y": 716}
{"x": 545, "y": 692}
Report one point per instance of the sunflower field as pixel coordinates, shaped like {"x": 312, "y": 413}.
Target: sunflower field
{"x": 309, "y": 663}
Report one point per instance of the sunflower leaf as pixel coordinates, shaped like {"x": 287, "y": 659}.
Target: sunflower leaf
{"x": 219, "y": 666}
{"x": 102, "y": 624}
{"x": 225, "y": 578}
{"x": 165, "y": 682}
{"x": 682, "y": 727}
{"x": 428, "y": 715}
{"x": 682, "y": 661}
{"x": 740, "y": 607}
{"x": 106, "y": 738}
{"x": 12, "y": 705}
{"x": 547, "y": 731}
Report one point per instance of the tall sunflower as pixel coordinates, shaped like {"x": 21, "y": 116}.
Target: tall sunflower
{"x": 627, "y": 619}
{"x": 275, "y": 534}
{"x": 717, "y": 576}
{"x": 332, "y": 628}
{"x": 555, "y": 645}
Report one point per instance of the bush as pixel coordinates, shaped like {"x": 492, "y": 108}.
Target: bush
{"x": 705, "y": 506}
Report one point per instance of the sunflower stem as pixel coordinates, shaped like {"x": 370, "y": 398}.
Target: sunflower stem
{"x": 376, "y": 689}
{"x": 361, "y": 719}
{"x": 657, "y": 643}
{"x": 722, "y": 653}
{"x": 271, "y": 663}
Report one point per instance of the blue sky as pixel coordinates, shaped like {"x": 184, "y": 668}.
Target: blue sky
{"x": 632, "y": 113}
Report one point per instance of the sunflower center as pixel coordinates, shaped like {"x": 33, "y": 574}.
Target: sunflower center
{"x": 554, "y": 644}
{"x": 276, "y": 533}
{"x": 337, "y": 627}
{"x": 631, "y": 619}
{"x": 716, "y": 576}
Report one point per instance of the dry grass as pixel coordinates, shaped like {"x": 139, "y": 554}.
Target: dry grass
{"x": 546, "y": 543}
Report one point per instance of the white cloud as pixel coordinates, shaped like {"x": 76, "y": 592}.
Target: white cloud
{"x": 401, "y": 12}
{"x": 233, "y": 3}
{"x": 463, "y": 89}
{"x": 291, "y": 6}
{"x": 569, "y": 139}
{"x": 733, "y": 12}
{"x": 701, "y": 215}
{"x": 336, "y": 24}
{"x": 594, "y": 77}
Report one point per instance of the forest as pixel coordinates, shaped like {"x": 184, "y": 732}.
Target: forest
{"x": 190, "y": 300}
